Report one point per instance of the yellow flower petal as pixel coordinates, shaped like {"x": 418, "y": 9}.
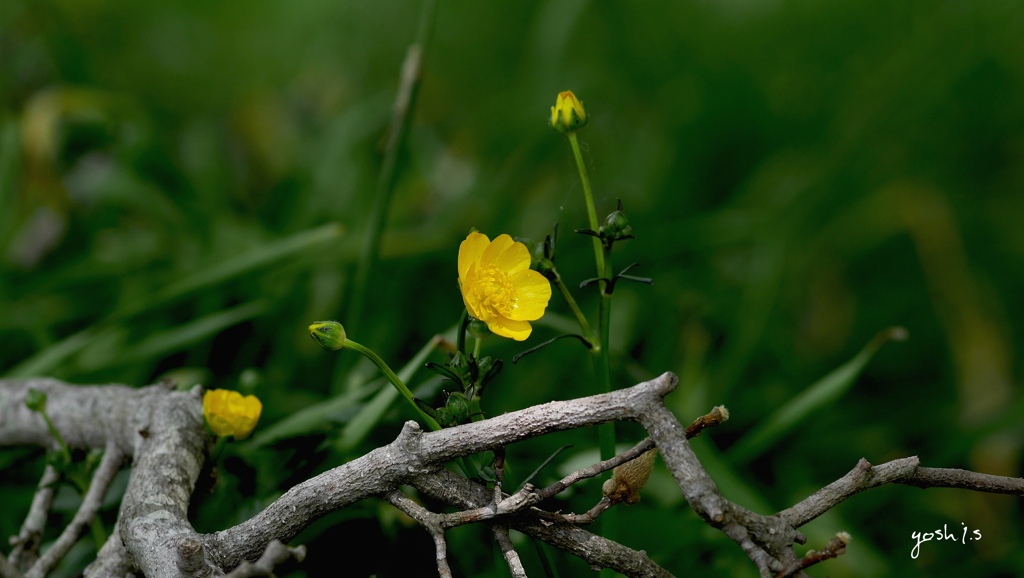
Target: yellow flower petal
{"x": 518, "y": 330}
{"x": 533, "y": 291}
{"x": 498, "y": 246}
{"x": 470, "y": 251}
{"x": 511, "y": 257}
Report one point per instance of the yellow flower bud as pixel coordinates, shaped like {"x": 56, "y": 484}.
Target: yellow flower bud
{"x": 568, "y": 115}
{"x": 328, "y": 334}
{"x": 230, "y": 414}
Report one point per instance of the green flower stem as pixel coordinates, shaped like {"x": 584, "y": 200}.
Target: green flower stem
{"x": 218, "y": 449}
{"x": 460, "y": 334}
{"x": 602, "y": 361}
{"x": 393, "y": 379}
{"x": 56, "y": 435}
{"x": 591, "y": 210}
{"x": 580, "y": 317}
{"x": 600, "y": 353}
{"x": 606, "y": 432}
{"x": 476, "y": 347}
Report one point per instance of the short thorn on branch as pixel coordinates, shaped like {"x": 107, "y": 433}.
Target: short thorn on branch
{"x": 835, "y": 547}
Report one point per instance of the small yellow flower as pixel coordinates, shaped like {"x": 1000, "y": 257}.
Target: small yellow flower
{"x": 498, "y": 286}
{"x": 568, "y": 115}
{"x": 230, "y": 414}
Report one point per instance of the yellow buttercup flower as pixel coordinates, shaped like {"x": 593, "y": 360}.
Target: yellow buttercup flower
{"x": 568, "y": 115}
{"x": 498, "y": 286}
{"x": 230, "y": 414}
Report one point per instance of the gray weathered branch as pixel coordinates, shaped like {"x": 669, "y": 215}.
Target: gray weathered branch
{"x": 162, "y": 432}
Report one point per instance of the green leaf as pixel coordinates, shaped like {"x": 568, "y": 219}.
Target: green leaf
{"x": 823, "y": 392}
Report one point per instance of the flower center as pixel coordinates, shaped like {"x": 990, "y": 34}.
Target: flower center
{"x": 494, "y": 291}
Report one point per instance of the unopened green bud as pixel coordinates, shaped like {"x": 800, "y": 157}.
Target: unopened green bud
{"x": 458, "y": 406}
{"x": 479, "y": 329}
{"x": 616, "y": 225}
{"x": 542, "y": 259}
{"x": 328, "y": 334}
{"x": 459, "y": 363}
{"x": 484, "y": 364}
{"x": 35, "y": 400}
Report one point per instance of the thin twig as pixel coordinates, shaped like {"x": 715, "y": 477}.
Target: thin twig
{"x": 581, "y": 519}
{"x": 515, "y": 565}
{"x": 275, "y": 554}
{"x": 499, "y": 473}
{"x": 715, "y": 417}
{"x": 26, "y": 544}
{"x": 964, "y": 479}
{"x": 453, "y": 489}
{"x": 91, "y": 502}
{"x": 862, "y": 477}
{"x": 836, "y": 547}
{"x": 430, "y": 521}
{"x": 596, "y": 469}
{"x": 7, "y": 569}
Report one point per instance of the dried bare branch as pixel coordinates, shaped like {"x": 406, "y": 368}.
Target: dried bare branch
{"x": 515, "y": 565}
{"x": 91, "y": 502}
{"x": 430, "y": 521}
{"x": 860, "y": 478}
{"x": 596, "y": 469}
{"x": 162, "y": 431}
{"x": 26, "y": 543}
{"x": 836, "y": 546}
{"x": 963, "y": 479}
{"x": 457, "y": 491}
{"x": 112, "y": 559}
{"x": 7, "y": 569}
{"x": 275, "y": 554}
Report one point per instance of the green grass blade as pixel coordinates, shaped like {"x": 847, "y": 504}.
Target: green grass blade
{"x": 46, "y": 360}
{"x": 9, "y": 162}
{"x": 316, "y": 417}
{"x": 823, "y": 392}
{"x": 182, "y": 336}
{"x": 234, "y": 266}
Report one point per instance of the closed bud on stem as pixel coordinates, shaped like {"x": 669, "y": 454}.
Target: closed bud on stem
{"x": 328, "y": 334}
{"x": 616, "y": 225}
{"x": 479, "y": 329}
{"x": 628, "y": 479}
{"x": 568, "y": 115}
{"x": 35, "y": 400}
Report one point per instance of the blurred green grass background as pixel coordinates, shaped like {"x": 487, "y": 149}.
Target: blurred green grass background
{"x": 184, "y": 187}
